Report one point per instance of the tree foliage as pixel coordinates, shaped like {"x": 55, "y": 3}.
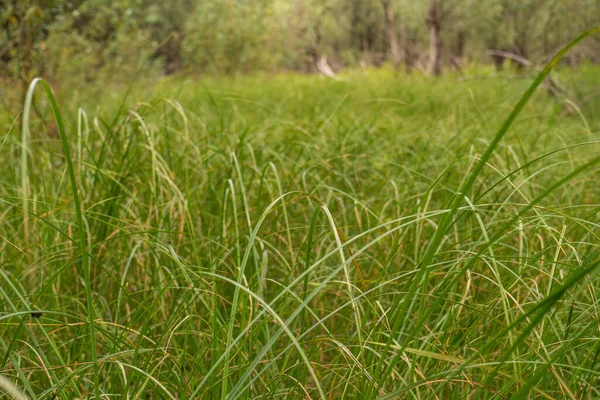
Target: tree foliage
{"x": 87, "y": 39}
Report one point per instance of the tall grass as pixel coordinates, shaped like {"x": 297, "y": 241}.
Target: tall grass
{"x": 380, "y": 237}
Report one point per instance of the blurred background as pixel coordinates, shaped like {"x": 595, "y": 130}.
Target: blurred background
{"x": 77, "y": 42}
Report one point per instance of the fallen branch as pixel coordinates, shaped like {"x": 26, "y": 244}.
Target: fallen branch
{"x": 324, "y": 67}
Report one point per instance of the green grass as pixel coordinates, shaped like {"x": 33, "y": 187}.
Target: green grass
{"x": 382, "y": 236}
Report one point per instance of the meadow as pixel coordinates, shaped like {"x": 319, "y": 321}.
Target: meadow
{"x": 378, "y": 237}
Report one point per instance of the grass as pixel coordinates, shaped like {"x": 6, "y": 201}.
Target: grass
{"x": 383, "y": 236}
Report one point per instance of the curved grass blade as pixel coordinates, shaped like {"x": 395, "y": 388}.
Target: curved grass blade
{"x": 78, "y": 213}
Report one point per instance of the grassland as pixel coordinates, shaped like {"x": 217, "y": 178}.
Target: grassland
{"x": 298, "y": 237}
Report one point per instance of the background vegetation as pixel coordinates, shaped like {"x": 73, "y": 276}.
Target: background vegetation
{"x": 197, "y": 215}
{"x": 79, "y": 41}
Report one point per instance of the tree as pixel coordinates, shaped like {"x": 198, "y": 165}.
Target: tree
{"x": 229, "y": 36}
{"x": 442, "y": 15}
{"x": 435, "y": 16}
{"x": 166, "y": 25}
{"x": 363, "y": 25}
{"x": 390, "y": 27}
{"x": 24, "y": 28}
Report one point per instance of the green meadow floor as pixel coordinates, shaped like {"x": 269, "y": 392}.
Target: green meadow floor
{"x": 298, "y": 237}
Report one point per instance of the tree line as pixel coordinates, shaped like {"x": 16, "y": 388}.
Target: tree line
{"x": 92, "y": 39}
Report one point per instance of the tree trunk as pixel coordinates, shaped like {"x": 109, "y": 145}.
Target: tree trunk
{"x": 435, "y": 40}
{"x": 458, "y": 50}
{"x": 405, "y": 44}
{"x": 390, "y": 30}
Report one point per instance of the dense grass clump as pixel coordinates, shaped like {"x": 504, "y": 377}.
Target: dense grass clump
{"x": 296, "y": 237}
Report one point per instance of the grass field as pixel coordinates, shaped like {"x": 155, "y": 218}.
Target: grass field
{"x": 297, "y": 237}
